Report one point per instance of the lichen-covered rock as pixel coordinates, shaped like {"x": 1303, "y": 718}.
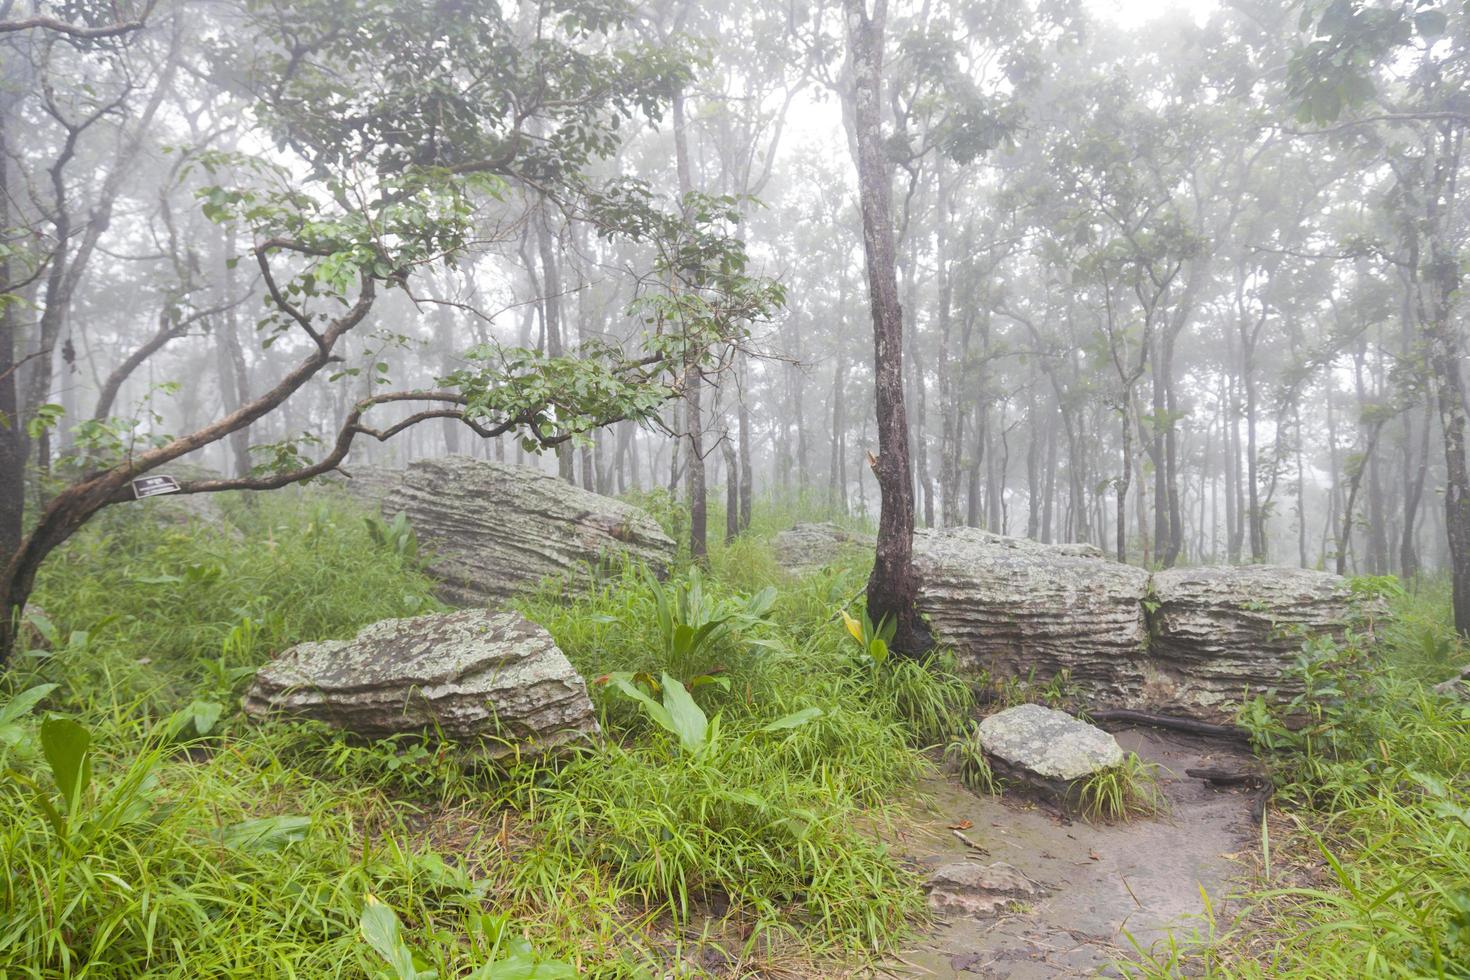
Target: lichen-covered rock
{"x": 804, "y": 548}
{"x": 968, "y": 888}
{"x": 493, "y": 530}
{"x": 1048, "y": 743}
{"x": 488, "y": 679}
{"x": 1223, "y": 634}
{"x": 1017, "y": 608}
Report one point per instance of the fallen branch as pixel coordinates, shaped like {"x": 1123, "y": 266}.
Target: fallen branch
{"x": 1187, "y": 725}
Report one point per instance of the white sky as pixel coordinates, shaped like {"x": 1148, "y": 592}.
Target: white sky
{"x": 1131, "y": 13}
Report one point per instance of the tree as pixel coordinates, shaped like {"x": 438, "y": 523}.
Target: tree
{"x": 892, "y": 586}
{"x": 404, "y": 162}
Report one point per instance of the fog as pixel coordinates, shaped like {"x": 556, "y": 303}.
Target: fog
{"x": 1181, "y": 282}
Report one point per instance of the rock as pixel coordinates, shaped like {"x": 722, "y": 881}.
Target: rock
{"x": 1223, "y": 634}
{"x": 492, "y": 530}
{"x": 804, "y": 548}
{"x": 974, "y": 889}
{"x": 493, "y": 679}
{"x": 1456, "y": 687}
{"x": 368, "y": 485}
{"x": 1017, "y": 608}
{"x": 1048, "y": 743}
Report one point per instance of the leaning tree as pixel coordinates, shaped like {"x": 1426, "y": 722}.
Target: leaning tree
{"x": 402, "y": 133}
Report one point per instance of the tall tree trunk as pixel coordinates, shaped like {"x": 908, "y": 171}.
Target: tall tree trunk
{"x": 693, "y": 413}
{"x": 12, "y": 428}
{"x": 551, "y": 311}
{"x": 892, "y": 587}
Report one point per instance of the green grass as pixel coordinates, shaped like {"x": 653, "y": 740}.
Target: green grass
{"x": 208, "y": 846}
{"x": 1122, "y": 792}
{"x": 1366, "y": 866}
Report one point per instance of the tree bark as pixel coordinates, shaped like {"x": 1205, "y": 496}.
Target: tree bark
{"x": 893, "y": 586}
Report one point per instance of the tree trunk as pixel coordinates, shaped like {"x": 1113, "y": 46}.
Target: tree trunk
{"x": 892, "y": 587}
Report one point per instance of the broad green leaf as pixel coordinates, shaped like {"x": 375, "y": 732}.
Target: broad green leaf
{"x": 67, "y": 745}
{"x": 656, "y": 711}
{"x": 21, "y": 705}
{"x": 794, "y": 720}
{"x": 686, "y": 719}
{"x": 264, "y": 833}
{"x": 522, "y": 967}
{"x": 380, "y": 929}
{"x": 205, "y": 715}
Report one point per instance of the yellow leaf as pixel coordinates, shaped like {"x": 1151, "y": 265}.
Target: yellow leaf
{"x": 853, "y": 626}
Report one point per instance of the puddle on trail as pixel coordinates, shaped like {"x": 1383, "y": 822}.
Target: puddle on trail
{"x": 1142, "y": 877}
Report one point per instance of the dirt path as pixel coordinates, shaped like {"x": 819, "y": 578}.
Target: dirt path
{"x": 1106, "y": 883}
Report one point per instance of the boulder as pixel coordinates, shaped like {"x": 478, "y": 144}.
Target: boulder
{"x": 968, "y": 888}
{"x": 493, "y": 530}
{"x": 1224, "y": 634}
{"x": 368, "y": 485}
{"x": 494, "y": 680}
{"x": 1014, "y": 607}
{"x": 1456, "y": 687}
{"x": 804, "y": 548}
{"x": 1048, "y": 744}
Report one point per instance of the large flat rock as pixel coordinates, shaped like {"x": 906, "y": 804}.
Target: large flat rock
{"x": 804, "y": 548}
{"x": 1196, "y": 642}
{"x": 1016, "y": 608}
{"x": 492, "y": 679}
{"x": 495, "y": 530}
{"x": 1224, "y": 634}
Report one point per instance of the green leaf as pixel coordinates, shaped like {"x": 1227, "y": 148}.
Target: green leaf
{"x": 67, "y": 745}
{"x": 380, "y": 929}
{"x": 656, "y": 711}
{"x": 686, "y": 719}
{"x": 522, "y": 967}
{"x": 264, "y": 833}
{"x": 21, "y": 705}
{"x": 205, "y": 715}
{"x": 794, "y": 720}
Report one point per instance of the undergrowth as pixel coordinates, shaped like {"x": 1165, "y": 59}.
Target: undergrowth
{"x": 198, "y": 844}
{"x": 1366, "y": 861}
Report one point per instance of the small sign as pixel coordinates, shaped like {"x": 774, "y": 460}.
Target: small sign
{"x": 152, "y": 486}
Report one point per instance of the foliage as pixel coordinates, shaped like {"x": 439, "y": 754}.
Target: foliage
{"x": 1122, "y": 791}
{"x": 274, "y": 848}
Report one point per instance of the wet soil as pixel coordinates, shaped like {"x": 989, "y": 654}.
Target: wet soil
{"x": 1110, "y": 886}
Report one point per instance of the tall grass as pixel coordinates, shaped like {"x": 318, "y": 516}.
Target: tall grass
{"x": 207, "y": 846}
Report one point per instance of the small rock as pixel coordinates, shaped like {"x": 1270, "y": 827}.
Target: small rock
{"x": 1049, "y": 743}
{"x": 804, "y": 548}
{"x": 1456, "y": 687}
{"x": 478, "y": 677}
{"x": 967, "y": 888}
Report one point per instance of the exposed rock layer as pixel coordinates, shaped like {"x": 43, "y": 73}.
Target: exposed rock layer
{"x": 1222, "y": 634}
{"x": 804, "y": 548}
{"x": 1014, "y": 607}
{"x": 1195, "y": 642}
{"x": 492, "y": 530}
{"x": 472, "y": 675}
{"x": 967, "y": 888}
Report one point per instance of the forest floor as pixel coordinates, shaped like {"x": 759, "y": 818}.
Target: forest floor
{"x": 1110, "y": 886}
{"x": 201, "y": 844}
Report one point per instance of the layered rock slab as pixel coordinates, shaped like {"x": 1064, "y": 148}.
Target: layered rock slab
{"x": 495, "y": 530}
{"x": 804, "y": 548}
{"x": 1224, "y": 634}
{"x": 971, "y": 889}
{"x": 1014, "y": 607}
{"x": 488, "y": 679}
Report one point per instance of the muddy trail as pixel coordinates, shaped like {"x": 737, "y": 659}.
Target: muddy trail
{"x": 1104, "y": 883}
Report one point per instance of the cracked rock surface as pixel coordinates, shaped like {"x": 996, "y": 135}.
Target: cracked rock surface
{"x": 475, "y": 676}
{"x": 494, "y": 530}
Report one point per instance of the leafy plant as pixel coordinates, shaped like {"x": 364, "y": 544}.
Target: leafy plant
{"x": 692, "y": 623}
{"x": 678, "y": 715}
{"x": 396, "y": 535}
{"x": 510, "y": 957}
{"x": 1123, "y": 791}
